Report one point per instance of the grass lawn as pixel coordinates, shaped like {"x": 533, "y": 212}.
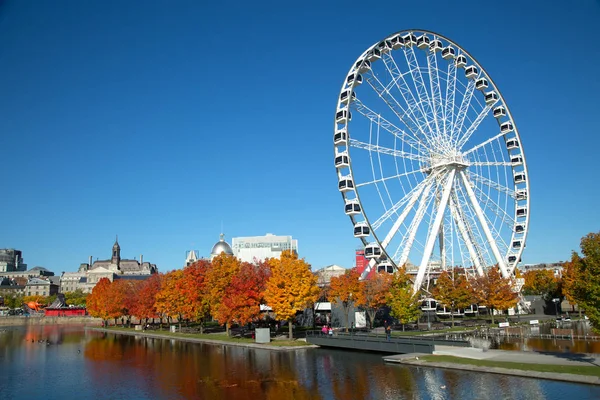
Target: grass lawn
{"x": 563, "y": 369}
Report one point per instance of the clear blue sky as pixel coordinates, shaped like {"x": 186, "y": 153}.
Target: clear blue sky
{"x": 159, "y": 121}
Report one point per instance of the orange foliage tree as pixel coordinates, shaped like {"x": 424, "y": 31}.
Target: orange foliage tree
{"x": 373, "y": 294}
{"x": 194, "y": 290}
{"x": 541, "y": 282}
{"x": 122, "y": 294}
{"x": 98, "y": 302}
{"x": 291, "y": 287}
{"x": 345, "y": 290}
{"x": 170, "y": 300}
{"x": 453, "y": 291}
{"x": 218, "y": 278}
{"x": 572, "y": 281}
{"x": 143, "y": 306}
{"x": 245, "y": 294}
{"x": 494, "y": 291}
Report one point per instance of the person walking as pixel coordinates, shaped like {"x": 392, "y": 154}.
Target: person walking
{"x": 388, "y": 332}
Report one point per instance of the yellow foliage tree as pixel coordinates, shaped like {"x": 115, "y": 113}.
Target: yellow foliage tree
{"x": 494, "y": 291}
{"x": 404, "y": 304}
{"x": 170, "y": 299}
{"x": 218, "y": 278}
{"x": 291, "y": 288}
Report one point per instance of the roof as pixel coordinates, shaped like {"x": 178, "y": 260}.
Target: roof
{"x": 221, "y": 247}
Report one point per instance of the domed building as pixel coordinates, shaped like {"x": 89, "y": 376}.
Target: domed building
{"x": 221, "y": 247}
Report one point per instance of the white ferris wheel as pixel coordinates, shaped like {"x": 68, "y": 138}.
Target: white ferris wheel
{"x": 429, "y": 160}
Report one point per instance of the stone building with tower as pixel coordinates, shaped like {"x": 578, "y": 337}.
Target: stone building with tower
{"x": 116, "y": 267}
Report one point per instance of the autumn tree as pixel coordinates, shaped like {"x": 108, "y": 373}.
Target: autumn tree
{"x": 98, "y": 302}
{"x": 218, "y": 278}
{"x": 494, "y": 291}
{"x": 403, "y": 301}
{"x": 246, "y": 292}
{"x": 585, "y": 284}
{"x": 195, "y": 289}
{"x": 291, "y": 287}
{"x": 452, "y": 291}
{"x": 374, "y": 293}
{"x": 572, "y": 281}
{"x": 345, "y": 290}
{"x": 541, "y": 282}
{"x": 144, "y": 306}
{"x": 170, "y": 300}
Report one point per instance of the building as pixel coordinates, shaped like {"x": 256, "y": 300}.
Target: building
{"x": 116, "y": 267}
{"x": 221, "y": 247}
{"x": 11, "y": 260}
{"x": 40, "y": 287}
{"x": 258, "y": 248}
{"x": 191, "y": 257}
{"x": 325, "y": 274}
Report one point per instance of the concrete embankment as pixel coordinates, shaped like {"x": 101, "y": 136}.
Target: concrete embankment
{"x": 42, "y": 320}
{"x": 154, "y": 335}
{"x": 503, "y": 356}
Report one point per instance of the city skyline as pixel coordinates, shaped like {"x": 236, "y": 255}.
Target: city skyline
{"x": 169, "y": 125}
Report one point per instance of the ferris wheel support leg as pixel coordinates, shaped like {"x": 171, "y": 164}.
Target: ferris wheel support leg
{"x": 486, "y": 228}
{"x": 368, "y": 269}
{"x": 412, "y": 231}
{"x": 434, "y": 231}
{"x": 463, "y": 231}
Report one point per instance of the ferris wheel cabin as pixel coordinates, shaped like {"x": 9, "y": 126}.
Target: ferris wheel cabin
{"x": 361, "y": 229}
{"x": 481, "y": 84}
{"x": 409, "y": 39}
{"x": 363, "y": 66}
{"x": 340, "y": 138}
{"x": 521, "y": 211}
{"x": 506, "y": 127}
{"x": 342, "y": 160}
{"x": 435, "y": 45}
{"x": 384, "y": 46}
{"x": 519, "y": 177}
{"x": 460, "y": 61}
{"x": 516, "y": 244}
{"x": 499, "y": 112}
{"x": 347, "y": 96}
{"x": 512, "y": 144}
{"x": 423, "y": 42}
{"x": 397, "y": 42}
{"x": 385, "y": 266}
{"x": 354, "y": 79}
{"x": 491, "y": 98}
{"x": 471, "y": 72}
{"x": 520, "y": 228}
{"x": 343, "y": 116}
{"x": 448, "y": 53}
{"x": 352, "y": 207}
{"x": 521, "y": 194}
{"x": 516, "y": 160}
{"x": 374, "y": 55}
{"x": 345, "y": 184}
{"x": 372, "y": 250}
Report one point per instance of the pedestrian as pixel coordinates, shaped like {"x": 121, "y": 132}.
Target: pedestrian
{"x": 325, "y": 330}
{"x": 352, "y": 328}
{"x": 388, "y": 332}
{"x": 330, "y": 331}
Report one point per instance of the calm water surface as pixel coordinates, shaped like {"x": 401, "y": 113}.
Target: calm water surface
{"x": 91, "y": 365}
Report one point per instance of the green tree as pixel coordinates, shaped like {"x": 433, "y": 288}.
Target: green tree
{"x": 404, "y": 304}
{"x": 587, "y": 269}
{"x": 76, "y": 298}
{"x": 453, "y": 291}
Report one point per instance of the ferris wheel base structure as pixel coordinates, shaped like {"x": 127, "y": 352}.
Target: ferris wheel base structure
{"x": 429, "y": 161}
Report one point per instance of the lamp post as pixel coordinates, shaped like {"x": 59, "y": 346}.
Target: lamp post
{"x": 556, "y": 301}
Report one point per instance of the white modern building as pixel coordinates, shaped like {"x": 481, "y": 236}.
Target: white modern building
{"x": 258, "y": 248}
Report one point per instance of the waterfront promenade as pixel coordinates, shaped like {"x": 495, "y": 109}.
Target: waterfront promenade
{"x": 505, "y": 356}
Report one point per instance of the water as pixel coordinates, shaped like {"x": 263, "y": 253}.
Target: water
{"x": 93, "y": 365}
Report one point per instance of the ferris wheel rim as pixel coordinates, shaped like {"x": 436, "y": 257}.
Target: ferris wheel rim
{"x": 356, "y": 191}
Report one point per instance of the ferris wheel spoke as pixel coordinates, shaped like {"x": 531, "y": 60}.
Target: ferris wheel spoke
{"x": 484, "y": 143}
{"x": 484, "y": 225}
{"x": 434, "y": 230}
{"x": 466, "y": 235}
{"x": 491, "y": 164}
{"x": 407, "y": 243}
{"x": 462, "y": 112}
{"x": 495, "y": 208}
{"x": 386, "y": 150}
{"x": 394, "y": 208}
{"x": 473, "y": 127}
{"x": 436, "y": 93}
{"x": 404, "y": 115}
{"x": 387, "y": 178}
{"x": 449, "y": 104}
{"x": 423, "y": 103}
{"x": 385, "y": 124}
{"x": 490, "y": 183}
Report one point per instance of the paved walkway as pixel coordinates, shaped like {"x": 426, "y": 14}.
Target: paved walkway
{"x": 507, "y": 356}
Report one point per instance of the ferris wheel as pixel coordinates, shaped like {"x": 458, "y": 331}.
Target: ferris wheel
{"x": 429, "y": 160}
